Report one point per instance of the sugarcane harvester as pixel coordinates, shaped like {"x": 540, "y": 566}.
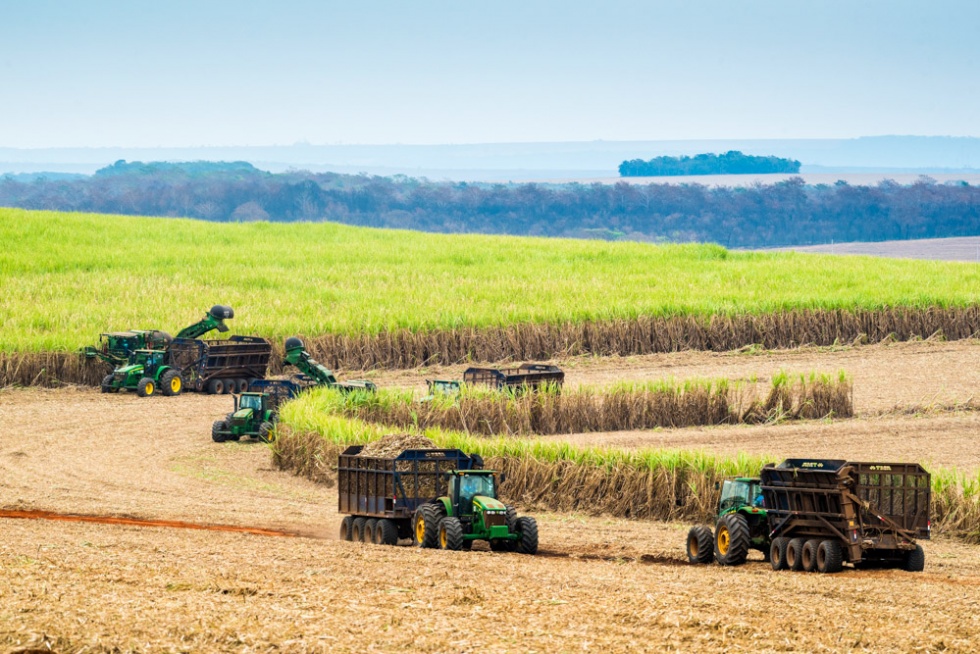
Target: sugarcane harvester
{"x": 313, "y": 373}
{"x": 116, "y": 348}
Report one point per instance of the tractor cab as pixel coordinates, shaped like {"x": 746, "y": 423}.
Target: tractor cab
{"x": 149, "y": 359}
{"x": 739, "y": 493}
{"x": 444, "y": 387}
{"x": 254, "y": 401}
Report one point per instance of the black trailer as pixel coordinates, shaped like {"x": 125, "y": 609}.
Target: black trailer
{"x": 388, "y": 490}
{"x": 221, "y": 366}
{"x": 531, "y": 376}
{"x": 823, "y": 512}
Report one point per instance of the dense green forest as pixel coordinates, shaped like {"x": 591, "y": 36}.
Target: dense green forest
{"x": 786, "y": 213}
{"x": 732, "y": 162}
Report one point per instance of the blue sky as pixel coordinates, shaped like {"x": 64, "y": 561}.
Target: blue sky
{"x": 181, "y": 73}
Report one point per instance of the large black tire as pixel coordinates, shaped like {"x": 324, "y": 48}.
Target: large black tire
{"x": 450, "y": 534}
{"x": 357, "y": 530}
{"x": 528, "y": 527}
{"x": 511, "y": 518}
{"x": 830, "y": 556}
{"x": 794, "y": 554}
{"x": 346, "y": 525}
{"x": 367, "y": 536}
{"x": 216, "y": 387}
{"x": 230, "y": 386}
{"x": 732, "y": 539}
{"x": 386, "y": 532}
{"x": 146, "y": 387}
{"x": 700, "y": 548}
{"x": 777, "y": 553}
{"x": 107, "y": 384}
{"x": 218, "y": 426}
{"x": 265, "y": 432}
{"x": 915, "y": 561}
{"x": 809, "y": 555}
{"x": 241, "y": 385}
{"x": 425, "y": 525}
{"x": 171, "y": 383}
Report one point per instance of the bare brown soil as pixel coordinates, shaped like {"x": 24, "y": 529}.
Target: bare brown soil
{"x": 598, "y": 584}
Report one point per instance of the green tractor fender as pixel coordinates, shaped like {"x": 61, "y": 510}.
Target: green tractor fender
{"x": 447, "y": 505}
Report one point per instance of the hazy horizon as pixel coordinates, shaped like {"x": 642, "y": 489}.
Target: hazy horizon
{"x": 115, "y": 74}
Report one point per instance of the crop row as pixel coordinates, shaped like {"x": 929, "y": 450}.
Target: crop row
{"x": 620, "y": 407}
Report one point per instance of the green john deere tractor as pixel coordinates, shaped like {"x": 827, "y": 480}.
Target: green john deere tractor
{"x": 741, "y": 525}
{"x": 146, "y": 373}
{"x": 256, "y": 413}
{"x": 470, "y": 512}
{"x": 253, "y": 417}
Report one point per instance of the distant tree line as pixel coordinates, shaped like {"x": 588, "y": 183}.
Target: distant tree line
{"x": 786, "y": 213}
{"x": 732, "y": 162}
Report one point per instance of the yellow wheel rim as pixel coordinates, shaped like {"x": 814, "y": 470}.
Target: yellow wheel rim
{"x": 442, "y": 538}
{"x": 149, "y": 389}
{"x": 723, "y": 540}
{"x": 420, "y": 529}
{"x": 175, "y": 384}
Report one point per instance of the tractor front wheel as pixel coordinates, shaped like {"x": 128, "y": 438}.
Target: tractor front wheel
{"x": 699, "y": 549}
{"x": 528, "y": 527}
{"x": 450, "y": 534}
{"x": 107, "y": 384}
{"x": 732, "y": 539}
{"x": 216, "y": 429}
{"x": 171, "y": 383}
{"x": 146, "y": 387}
{"x": 425, "y": 527}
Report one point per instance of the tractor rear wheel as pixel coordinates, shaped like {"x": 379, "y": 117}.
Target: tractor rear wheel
{"x": 915, "y": 561}
{"x": 368, "y": 535}
{"x": 146, "y": 387}
{"x": 732, "y": 539}
{"x": 810, "y": 555}
{"x": 794, "y": 554}
{"x": 699, "y": 547}
{"x": 425, "y": 526}
{"x": 217, "y": 427}
{"x": 265, "y": 432}
{"x": 450, "y": 534}
{"x": 357, "y": 530}
{"x": 528, "y": 544}
{"x": 216, "y": 387}
{"x": 171, "y": 384}
{"x": 777, "y": 553}
{"x": 345, "y": 527}
{"x": 386, "y": 532}
{"x": 830, "y": 556}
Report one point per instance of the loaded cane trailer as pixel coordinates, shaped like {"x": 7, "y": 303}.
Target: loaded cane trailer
{"x": 221, "y": 366}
